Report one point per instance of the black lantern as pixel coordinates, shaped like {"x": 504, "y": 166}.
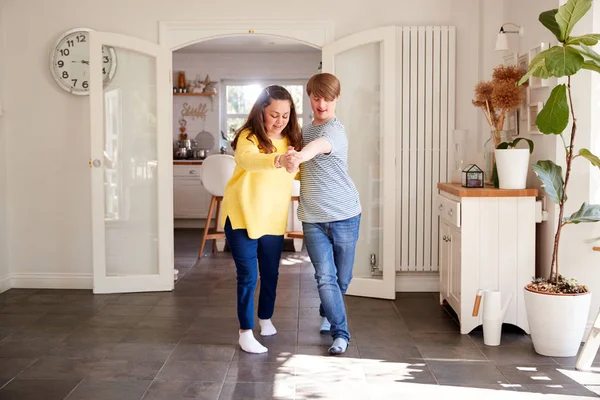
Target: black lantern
{"x": 472, "y": 177}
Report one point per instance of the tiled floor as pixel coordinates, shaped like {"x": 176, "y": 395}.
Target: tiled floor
{"x": 68, "y": 344}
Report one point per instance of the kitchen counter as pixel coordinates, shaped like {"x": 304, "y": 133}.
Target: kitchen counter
{"x": 187, "y": 162}
{"x": 458, "y": 190}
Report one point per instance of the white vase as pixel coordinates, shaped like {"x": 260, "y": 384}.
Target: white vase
{"x": 557, "y": 322}
{"x": 512, "y": 166}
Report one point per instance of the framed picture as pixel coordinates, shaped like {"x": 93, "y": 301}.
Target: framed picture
{"x": 533, "y": 111}
{"x": 511, "y": 123}
{"x": 535, "y": 82}
{"x": 523, "y": 63}
{"x": 511, "y": 59}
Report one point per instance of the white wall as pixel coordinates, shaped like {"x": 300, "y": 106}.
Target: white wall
{"x": 576, "y": 258}
{"x": 233, "y": 66}
{"x": 3, "y": 192}
{"x": 48, "y": 181}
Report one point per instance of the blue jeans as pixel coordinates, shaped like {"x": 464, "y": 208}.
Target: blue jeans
{"x": 246, "y": 252}
{"x": 331, "y": 247}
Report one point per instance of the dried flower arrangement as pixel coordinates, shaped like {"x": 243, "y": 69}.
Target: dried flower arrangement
{"x": 499, "y": 96}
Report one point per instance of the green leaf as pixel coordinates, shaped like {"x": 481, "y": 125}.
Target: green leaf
{"x": 529, "y": 142}
{"x": 568, "y": 15}
{"x": 590, "y": 53}
{"x": 548, "y": 19}
{"x": 587, "y": 213}
{"x": 594, "y": 160}
{"x": 503, "y": 146}
{"x": 563, "y": 61}
{"x": 552, "y": 181}
{"x": 591, "y": 65}
{"x": 554, "y": 117}
{"x": 591, "y": 39}
{"x": 537, "y": 67}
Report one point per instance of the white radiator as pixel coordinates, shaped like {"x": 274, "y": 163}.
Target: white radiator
{"x": 426, "y": 96}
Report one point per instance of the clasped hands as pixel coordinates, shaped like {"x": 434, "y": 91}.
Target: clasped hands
{"x": 291, "y": 160}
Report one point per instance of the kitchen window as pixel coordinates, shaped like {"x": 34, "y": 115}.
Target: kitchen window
{"x": 240, "y": 96}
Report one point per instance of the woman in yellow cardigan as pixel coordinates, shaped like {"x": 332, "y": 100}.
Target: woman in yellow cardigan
{"x": 256, "y": 204}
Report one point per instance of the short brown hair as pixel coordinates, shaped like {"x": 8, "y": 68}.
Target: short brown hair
{"x": 324, "y": 85}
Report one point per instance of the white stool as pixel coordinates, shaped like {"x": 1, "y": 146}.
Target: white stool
{"x": 216, "y": 172}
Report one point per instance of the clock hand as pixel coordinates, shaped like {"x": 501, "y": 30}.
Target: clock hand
{"x": 85, "y": 62}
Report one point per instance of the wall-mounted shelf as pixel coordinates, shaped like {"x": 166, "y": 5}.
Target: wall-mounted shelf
{"x": 195, "y": 94}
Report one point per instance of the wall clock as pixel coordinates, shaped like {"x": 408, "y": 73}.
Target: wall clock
{"x": 70, "y": 65}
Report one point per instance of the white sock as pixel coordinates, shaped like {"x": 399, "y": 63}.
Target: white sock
{"x": 249, "y": 344}
{"x": 339, "y": 346}
{"x": 266, "y": 327}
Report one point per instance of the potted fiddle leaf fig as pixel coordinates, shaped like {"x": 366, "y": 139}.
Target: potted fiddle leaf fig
{"x": 557, "y": 308}
{"x": 512, "y": 164}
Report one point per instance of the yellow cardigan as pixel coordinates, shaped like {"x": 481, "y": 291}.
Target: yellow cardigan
{"x": 257, "y": 197}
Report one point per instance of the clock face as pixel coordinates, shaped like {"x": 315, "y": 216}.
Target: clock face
{"x": 70, "y": 62}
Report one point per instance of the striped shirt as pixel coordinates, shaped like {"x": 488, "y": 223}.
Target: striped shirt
{"x": 327, "y": 192}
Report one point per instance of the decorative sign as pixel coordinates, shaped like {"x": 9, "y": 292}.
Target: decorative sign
{"x": 194, "y": 112}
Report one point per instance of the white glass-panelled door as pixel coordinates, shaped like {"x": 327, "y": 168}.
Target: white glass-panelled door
{"x": 131, "y": 166}
{"x": 365, "y": 64}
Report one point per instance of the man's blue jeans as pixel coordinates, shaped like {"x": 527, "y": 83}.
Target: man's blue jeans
{"x": 246, "y": 252}
{"x": 331, "y": 247}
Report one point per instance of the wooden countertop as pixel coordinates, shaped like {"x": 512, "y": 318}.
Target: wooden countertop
{"x": 187, "y": 162}
{"x": 456, "y": 189}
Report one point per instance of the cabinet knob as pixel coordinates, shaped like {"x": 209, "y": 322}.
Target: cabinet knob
{"x": 450, "y": 212}
{"x": 192, "y": 171}
{"x": 441, "y": 207}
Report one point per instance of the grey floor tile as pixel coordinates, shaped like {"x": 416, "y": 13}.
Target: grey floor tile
{"x": 125, "y": 310}
{"x": 208, "y": 371}
{"x": 256, "y": 390}
{"x": 28, "y": 349}
{"x": 59, "y": 368}
{"x": 125, "y": 370}
{"x": 510, "y": 355}
{"x": 181, "y": 390}
{"x": 109, "y": 390}
{"x": 112, "y": 321}
{"x": 465, "y": 373}
{"x": 81, "y": 351}
{"x": 36, "y": 389}
{"x": 149, "y": 335}
{"x": 544, "y": 374}
{"x": 141, "y": 352}
{"x": 164, "y": 323}
{"x": 19, "y": 320}
{"x": 41, "y": 333}
{"x": 11, "y": 367}
{"x": 203, "y": 352}
{"x": 431, "y": 325}
{"x": 566, "y": 390}
{"x": 91, "y": 334}
{"x": 339, "y": 391}
{"x": 408, "y": 353}
{"x": 260, "y": 372}
{"x": 398, "y": 372}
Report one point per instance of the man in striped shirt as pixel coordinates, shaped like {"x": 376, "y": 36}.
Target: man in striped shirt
{"x": 329, "y": 206}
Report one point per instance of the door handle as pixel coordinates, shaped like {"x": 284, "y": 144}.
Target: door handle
{"x": 95, "y": 163}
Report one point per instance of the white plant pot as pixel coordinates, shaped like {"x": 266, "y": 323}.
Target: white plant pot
{"x": 557, "y": 322}
{"x": 512, "y": 166}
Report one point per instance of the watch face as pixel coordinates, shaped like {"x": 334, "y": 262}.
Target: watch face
{"x": 70, "y": 62}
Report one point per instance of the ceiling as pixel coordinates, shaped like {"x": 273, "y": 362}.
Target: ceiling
{"x": 248, "y": 44}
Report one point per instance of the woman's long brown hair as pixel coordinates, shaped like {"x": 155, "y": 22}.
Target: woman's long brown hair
{"x": 255, "y": 123}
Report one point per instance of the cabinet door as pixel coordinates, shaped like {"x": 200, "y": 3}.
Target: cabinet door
{"x": 190, "y": 199}
{"x": 444, "y": 258}
{"x": 454, "y": 244}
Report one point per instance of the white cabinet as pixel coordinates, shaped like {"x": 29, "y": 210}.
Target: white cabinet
{"x": 487, "y": 241}
{"x": 190, "y": 199}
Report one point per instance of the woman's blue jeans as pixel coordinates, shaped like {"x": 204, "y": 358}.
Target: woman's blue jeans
{"x": 246, "y": 252}
{"x": 331, "y": 248}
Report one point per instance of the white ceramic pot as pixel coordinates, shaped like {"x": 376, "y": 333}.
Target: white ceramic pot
{"x": 557, "y": 322}
{"x": 512, "y": 166}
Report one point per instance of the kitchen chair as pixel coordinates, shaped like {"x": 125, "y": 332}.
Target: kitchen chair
{"x": 216, "y": 172}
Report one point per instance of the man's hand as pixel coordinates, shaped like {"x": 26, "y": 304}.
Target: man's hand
{"x": 291, "y": 160}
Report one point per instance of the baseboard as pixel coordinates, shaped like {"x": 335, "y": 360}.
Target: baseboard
{"x": 417, "y": 282}
{"x": 51, "y": 281}
{"x": 4, "y": 283}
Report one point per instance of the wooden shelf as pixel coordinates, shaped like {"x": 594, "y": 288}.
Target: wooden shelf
{"x": 456, "y": 189}
{"x": 207, "y": 94}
